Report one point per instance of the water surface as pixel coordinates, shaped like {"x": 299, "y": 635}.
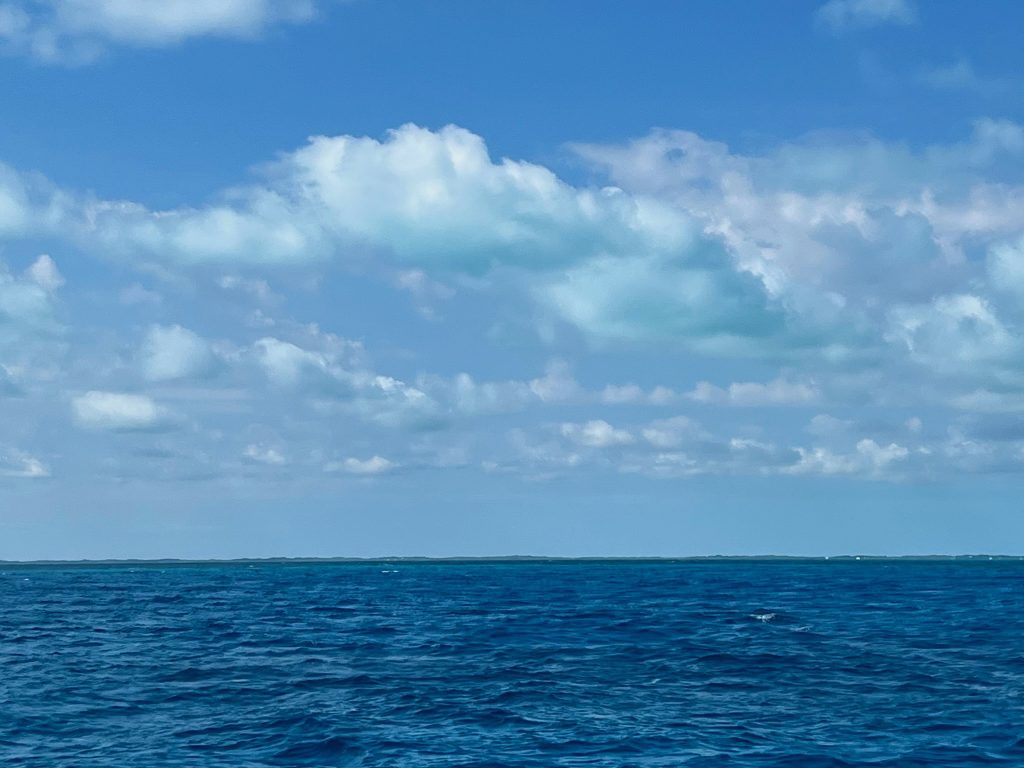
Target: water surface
{"x": 618, "y": 664}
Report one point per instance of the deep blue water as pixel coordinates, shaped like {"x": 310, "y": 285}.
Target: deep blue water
{"x": 739, "y": 664}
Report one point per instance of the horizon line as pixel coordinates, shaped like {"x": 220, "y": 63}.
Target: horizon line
{"x": 497, "y": 559}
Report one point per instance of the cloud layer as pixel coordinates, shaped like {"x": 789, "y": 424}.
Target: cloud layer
{"x": 753, "y": 308}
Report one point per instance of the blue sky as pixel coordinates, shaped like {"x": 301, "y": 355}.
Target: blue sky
{"x": 376, "y": 277}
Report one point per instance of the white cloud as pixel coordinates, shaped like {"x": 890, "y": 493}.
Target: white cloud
{"x": 172, "y": 352}
{"x": 44, "y": 273}
{"x": 1006, "y": 267}
{"x": 375, "y": 465}
{"x": 78, "y": 31}
{"x": 672, "y": 432}
{"x": 844, "y": 14}
{"x": 471, "y": 397}
{"x": 30, "y": 323}
{"x": 118, "y": 411}
{"x": 15, "y": 463}
{"x": 596, "y": 434}
{"x": 262, "y": 454}
{"x": 434, "y": 201}
{"x": 776, "y": 392}
{"x": 868, "y": 458}
{"x": 953, "y": 331}
{"x": 796, "y": 253}
{"x": 872, "y": 268}
{"x": 557, "y": 384}
{"x": 26, "y": 303}
{"x": 626, "y": 393}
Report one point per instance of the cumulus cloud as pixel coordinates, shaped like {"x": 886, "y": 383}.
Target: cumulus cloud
{"x": 435, "y": 205}
{"x": 333, "y": 378}
{"x": 796, "y": 253}
{"x": 881, "y": 273}
{"x": 952, "y": 332}
{"x": 432, "y": 200}
{"x": 172, "y": 352}
{"x": 78, "y": 31}
{"x": 846, "y": 14}
{"x": 868, "y": 458}
{"x": 118, "y": 412}
{"x": 866, "y": 250}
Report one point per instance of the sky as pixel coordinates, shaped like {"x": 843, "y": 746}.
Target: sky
{"x": 373, "y": 278}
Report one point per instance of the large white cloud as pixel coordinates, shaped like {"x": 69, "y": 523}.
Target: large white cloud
{"x": 77, "y": 31}
{"x": 801, "y": 251}
{"x": 430, "y": 199}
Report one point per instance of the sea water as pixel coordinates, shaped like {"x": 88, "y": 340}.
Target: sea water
{"x": 586, "y": 664}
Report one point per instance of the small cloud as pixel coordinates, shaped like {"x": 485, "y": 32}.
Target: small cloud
{"x": 261, "y": 454}
{"x": 631, "y": 393}
{"x": 44, "y": 273}
{"x": 257, "y": 289}
{"x": 628, "y": 393}
{"x": 375, "y": 465}
{"x": 849, "y": 14}
{"x": 869, "y": 459}
{"x": 172, "y": 352}
{"x": 118, "y": 412}
{"x": 669, "y": 433}
{"x": 18, "y": 464}
{"x": 749, "y": 393}
{"x": 596, "y": 434}
{"x": 557, "y": 384}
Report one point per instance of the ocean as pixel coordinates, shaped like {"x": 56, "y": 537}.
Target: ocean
{"x": 516, "y": 664}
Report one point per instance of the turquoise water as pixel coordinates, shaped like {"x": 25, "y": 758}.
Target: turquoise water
{"x": 696, "y": 664}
